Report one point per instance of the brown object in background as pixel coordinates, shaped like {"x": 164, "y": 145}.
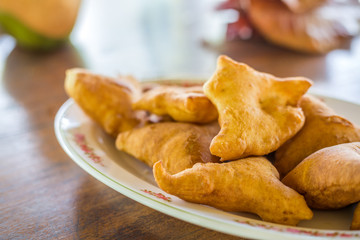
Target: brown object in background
{"x": 245, "y": 185}
{"x": 316, "y": 31}
{"x": 300, "y": 6}
{"x": 322, "y": 128}
{"x": 328, "y": 178}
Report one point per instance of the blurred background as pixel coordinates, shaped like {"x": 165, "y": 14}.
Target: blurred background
{"x": 147, "y": 38}
{"x": 183, "y": 38}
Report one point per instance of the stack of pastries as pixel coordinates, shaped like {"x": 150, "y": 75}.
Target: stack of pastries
{"x": 244, "y": 141}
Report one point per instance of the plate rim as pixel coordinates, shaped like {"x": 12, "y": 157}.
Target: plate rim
{"x": 224, "y": 226}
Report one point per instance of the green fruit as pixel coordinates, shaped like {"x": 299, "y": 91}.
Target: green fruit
{"x": 26, "y": 37}
{"x": 40, "y": 24}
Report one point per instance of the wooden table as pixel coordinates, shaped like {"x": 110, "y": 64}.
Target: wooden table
{"x": 43, "y": 193}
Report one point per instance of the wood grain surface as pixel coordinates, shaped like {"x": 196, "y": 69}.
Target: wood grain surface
{"x": 45, "y": 195}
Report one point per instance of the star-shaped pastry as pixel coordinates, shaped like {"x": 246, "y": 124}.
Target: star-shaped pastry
{"x": 257, "y": 111}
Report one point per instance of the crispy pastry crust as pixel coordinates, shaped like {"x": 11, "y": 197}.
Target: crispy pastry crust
{"x": 257, "y": 111}
{"x": 328, "y": 178}
{"x": 177, "y": 145}
{"x": 106, "y": 100}
{"x": 183, "y": 104}
{"x": 322, "y": 128}
{"x": 246, "y": 185}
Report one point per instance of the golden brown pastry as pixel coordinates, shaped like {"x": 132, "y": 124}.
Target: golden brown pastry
{"x": 322, "y": 128}
{"x": 183, "y": 104}
{"x": 177, "y": 145}
{"x": 328, "y": 178}
{"x": 355, "y": 225}
{"x": 131, "y": 83}
{"x": 257, "y": 111}
{"x": 313, "y": 31}
{"x": 246, "y": 185}
{"x": 106, "y": 100}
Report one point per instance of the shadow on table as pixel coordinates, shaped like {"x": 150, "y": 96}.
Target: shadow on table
{"x": 34, "y": 83}
{"x": 103, "y": 213}
{"x": 27, "y": 73}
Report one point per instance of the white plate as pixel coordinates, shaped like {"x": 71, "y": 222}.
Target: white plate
{"x": 94, "y": 151}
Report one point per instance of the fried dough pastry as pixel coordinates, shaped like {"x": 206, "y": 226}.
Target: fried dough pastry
{"x": 184, "y": 104}
{"x": 178, "y": 145}
{"x": 322, "y": 128}
{"x": 355, "y": 225}
{"x": 257, "y": 111}
{"x": 106, "y": 100}
{"x": 316, "y": 31}
{"x": 328, "y": 178}
{"x": 246, "y": 185}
